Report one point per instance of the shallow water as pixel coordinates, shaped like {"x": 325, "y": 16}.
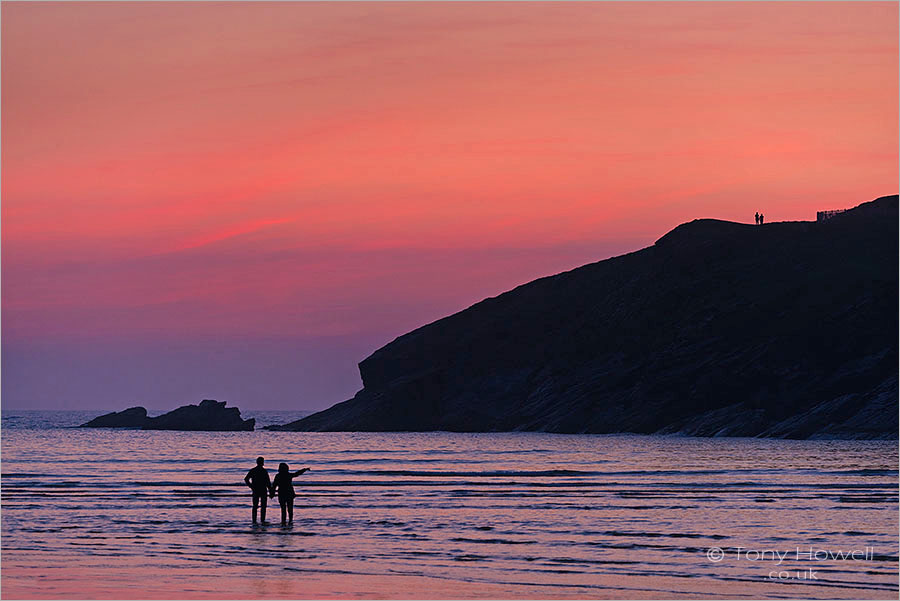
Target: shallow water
{"x": 130, "y": 514}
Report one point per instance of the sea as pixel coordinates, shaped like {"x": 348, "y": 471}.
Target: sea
{"x": 126, "y": 514}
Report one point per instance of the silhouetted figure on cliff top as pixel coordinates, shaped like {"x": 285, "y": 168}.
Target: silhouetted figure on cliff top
{"x": 757, "y": 218}
{"x": 285, "y": 489}
{"x": 258, "y": 481}
{"x": 761, "y": 218}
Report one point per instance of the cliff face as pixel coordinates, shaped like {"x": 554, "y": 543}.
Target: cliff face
{"x": 787, "y": 329}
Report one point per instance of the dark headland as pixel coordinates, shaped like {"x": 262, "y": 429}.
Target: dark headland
{"x": 208, "y": 416}
{"x": 718, "y": 329}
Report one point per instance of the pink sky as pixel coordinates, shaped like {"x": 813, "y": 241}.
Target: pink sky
{"x": 241, "y": 201}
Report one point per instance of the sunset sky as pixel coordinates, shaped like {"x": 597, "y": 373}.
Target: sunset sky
{"x": 241, "y": 201}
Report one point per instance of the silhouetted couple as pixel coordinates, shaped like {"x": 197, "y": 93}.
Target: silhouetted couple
{"x": 759, "y": 218}
{"x": 258, "y": 481}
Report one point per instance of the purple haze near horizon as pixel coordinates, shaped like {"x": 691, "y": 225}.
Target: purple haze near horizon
{"x": 258, "y": 372}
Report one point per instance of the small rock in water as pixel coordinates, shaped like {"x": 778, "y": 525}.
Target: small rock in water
{"x": 208, "y": 416}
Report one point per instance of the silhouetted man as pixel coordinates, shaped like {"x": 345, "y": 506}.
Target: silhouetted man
{"x": 757, "y": 218}
{"x": 761, "y": 218}
{"x": 258, "y": 481}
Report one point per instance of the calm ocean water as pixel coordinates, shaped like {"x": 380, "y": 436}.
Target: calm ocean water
{"x": 130, "y": 514}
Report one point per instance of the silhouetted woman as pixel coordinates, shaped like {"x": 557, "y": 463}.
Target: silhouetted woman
{"x": 285, "y": 489}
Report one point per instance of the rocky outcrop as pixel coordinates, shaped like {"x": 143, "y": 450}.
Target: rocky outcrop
{"x": 208, "y": 416}
{"x": 719, "y": 329}
{"x": 135, "y": 417}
